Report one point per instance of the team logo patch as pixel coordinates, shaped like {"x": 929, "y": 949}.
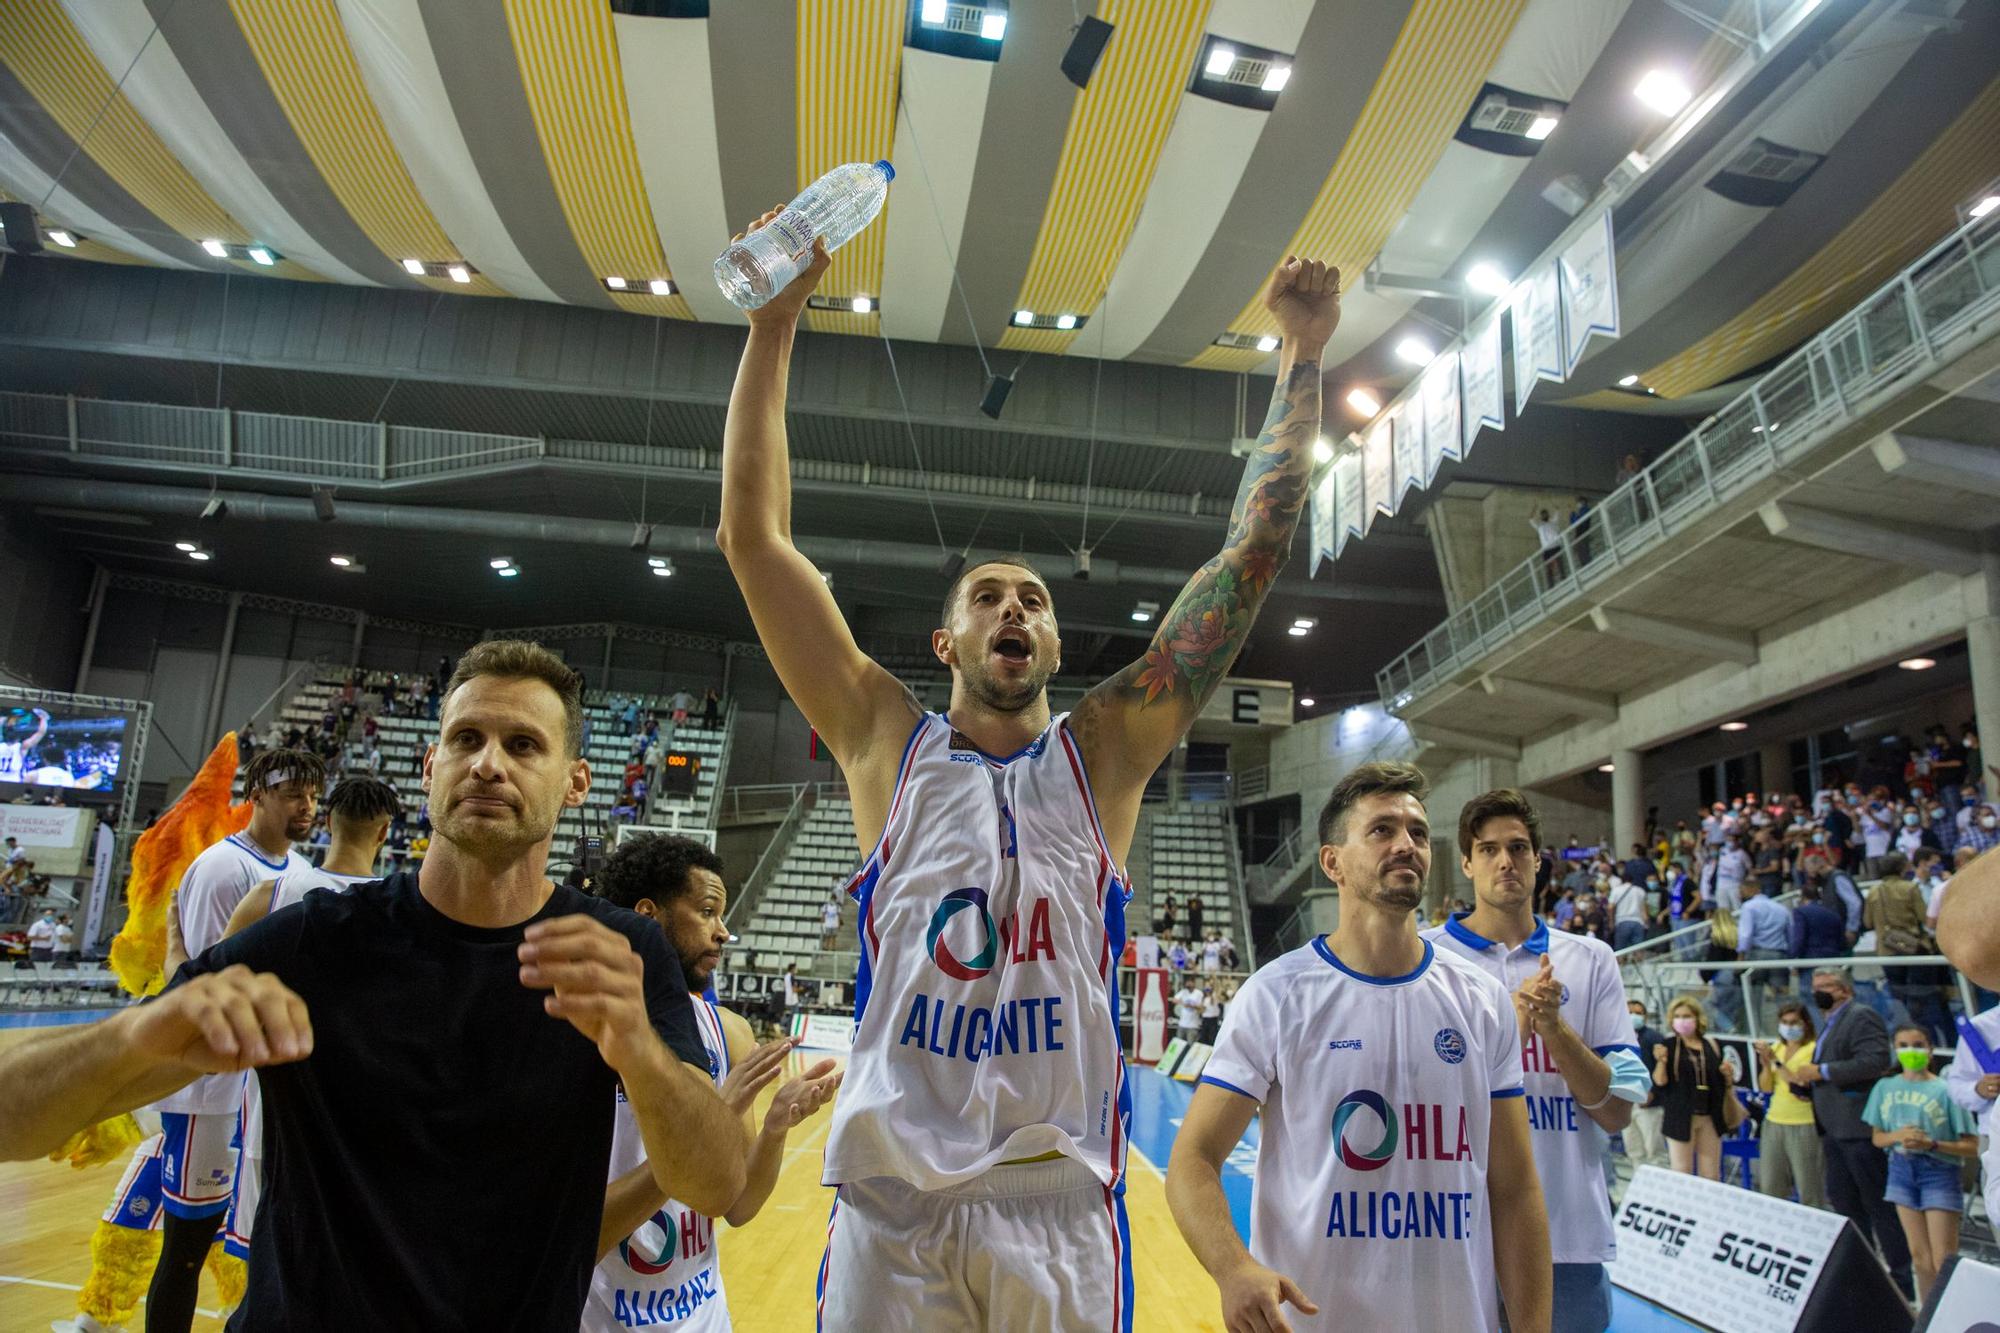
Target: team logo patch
{"x": 1449, "y": 1045}
{"x": 1378, "y": 1156}
{"x": 939, "y": 948}
{"x": 634, "y": 1248}
{"x": 1565, "y": 998}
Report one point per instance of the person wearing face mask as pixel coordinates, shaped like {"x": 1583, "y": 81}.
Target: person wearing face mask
{"x": 42, "y": 937}
{"x": 1927, "y": 1136}
{"x": 1731, "y": 869}
{"x": 1898, "y": 915}
{"x": 1694, "y": 1086}
{"x": 1982, "y": 831}
{"x": 1973, "y": 1080}
{"x": 1878, "y": 830}
{"x": 1913, "y": 836}
{"x": 1645, "y": 1144}
{"x": 1788, "y": 1153}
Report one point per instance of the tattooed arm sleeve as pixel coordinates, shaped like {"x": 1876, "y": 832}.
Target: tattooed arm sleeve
{"x": 1134, "y": 719}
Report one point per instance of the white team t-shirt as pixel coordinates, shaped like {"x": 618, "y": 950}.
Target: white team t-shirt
{"x": 1211, "y": 956}
{"x": 42, "y": 934}
{"x": 1377, "y": 1094}
{"x": 1569, "y": 1145}
{"x": 215, "y": 882}
{"x": 10, "y": 761}
{"x": 1187, "y": 1005}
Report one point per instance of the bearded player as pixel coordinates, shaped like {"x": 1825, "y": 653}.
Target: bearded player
{"x": 978, "y": 1143}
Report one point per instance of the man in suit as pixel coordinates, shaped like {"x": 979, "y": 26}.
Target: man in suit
{"x": 1852, "y": 1053}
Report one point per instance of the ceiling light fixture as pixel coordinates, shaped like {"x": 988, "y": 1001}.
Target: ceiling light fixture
{"x": 1663, "y": 90}
{"x": 1267, "y": 343}
{"x": 615, "y": 283}
{"x": 660, "y": 287}
{"x": 459, "y": 273}
{"x": 68, "y": 242}
{"x": 216, "y": 248}
{"x": 1486, "y": 280}
{"x": 1415, "y": 351}
{"x": 1543, "y": 127}
{"x": 1024, "y": 317}
{"x": 185, "y": 547}
{"x": 512, "y": 571}
{"x": 1735, "y": 726}
{"x": 1302, "y": 626}
{"x": 1220, "y": 61}
{"x": 934, "y": 11}
{"x": 861, "y": 305}
{"x": 1607, "y": 768}
{"x": 993, "y": 26}
{"x": 1307, "y": 701}
{"x": 1364, "y": 402}
{"x": 1627, "y": 381}
{"x": 414, "y": 267}
{"x": 1322, "y": 450}
{"x": 499, "y": 562}
{"x": 343, "y": 561}
{"x": 1145, "y": 611}
{"x": 1065, "y": 321}
{"x": 200, "y": 554}
{"x": 262, "y": 256}
{"x": 1978, "y": 210}
{"x": 1917, "y": 663}
{"x": 1276, "y": 78}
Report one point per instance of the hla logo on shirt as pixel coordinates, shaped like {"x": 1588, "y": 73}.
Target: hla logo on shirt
{"x": 959, "y": 900}
{"x": 688, "y": 1240}
{"x": 1384, "y": 1149}
{"x": 1420, "y": 1129}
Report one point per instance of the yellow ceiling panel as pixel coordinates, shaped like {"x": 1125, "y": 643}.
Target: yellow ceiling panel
{"x": 1903, "y": 221}
{"x": 568, "y": 53}
{"x": 1117, "y": 129}
{"x": 1435, "y": 68}
{"x": 57, "y": 67}
{"x": 850, "y": 55}
{"x": 302, "y": 49}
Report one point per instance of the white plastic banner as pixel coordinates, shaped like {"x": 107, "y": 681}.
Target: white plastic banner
{"x": 1966, "y": 1298}
{"x": 1378, "y": 467}
{"x": 1351, "y": 505}
{"x": 1325, "y": 521}
{"x": 1438, "y": 401}
{"x": 1484, "y": 399}
{"x": 1537, "y": 321}
{"x": 1589, "y": 290}
{"x": 1190, "y": 1066}
{"x": 1729, "y": 1259}
{"x": 54, "y": 837}
{"x": 824, "y": 1032}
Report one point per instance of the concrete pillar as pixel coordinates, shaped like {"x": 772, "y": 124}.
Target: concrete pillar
{"x": 211, "y": 724}
{"x": 360, "y": 630}
{"x": 1774, "y": 769}
{"x": 100, "y": 582}
{"x": 1628, "y": 801}
{"x": 1982, "y": 644}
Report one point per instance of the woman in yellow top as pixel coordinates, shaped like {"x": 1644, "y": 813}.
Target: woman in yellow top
{"x": 1788, "y": 1150}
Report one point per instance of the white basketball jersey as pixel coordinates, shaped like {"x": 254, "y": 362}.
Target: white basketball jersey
{"x": 214, "y": 883}
{"x": 986, "y": 1004}
{"x": 1377, "y": 1096}
{"x": 289, "y": 888}
{"x": 667, "y": 1272}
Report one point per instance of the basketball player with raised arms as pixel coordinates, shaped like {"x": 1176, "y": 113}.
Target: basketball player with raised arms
{"x": 1395, "y": 1185}
{"x": 978, "y": 1142}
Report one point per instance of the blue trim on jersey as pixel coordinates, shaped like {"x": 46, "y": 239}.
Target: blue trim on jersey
{"x": 864, "y": 970}
{"x": 1221, "y": 1083}
{"x": 256, "y": 852}
{"x": 1115, "y": 894}
{"x": 1124, "y": 1256}
{"x": 1618, "y": 1046}
{"x": 1038, "y": 743}
{"x": 1509, "y": 1092}
{"x": 1320, "y": 947}
{"x": 1455, "y": 927}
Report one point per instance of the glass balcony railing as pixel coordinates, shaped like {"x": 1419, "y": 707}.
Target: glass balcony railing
{"x": 1894, "y": 337}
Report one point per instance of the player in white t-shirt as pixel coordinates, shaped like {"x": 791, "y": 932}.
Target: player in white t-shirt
{"x": 200, "y": 1122}
{"x": 1395, "y": 1184}
{"x": 657, "y": 1260}
{"x": 14, "y": 753}
{"x": 358, "y": 814}
{"x": 1187, "y": 1010}
{"x": 978, "y": 1144}
{"x": 1582, "y": 1071}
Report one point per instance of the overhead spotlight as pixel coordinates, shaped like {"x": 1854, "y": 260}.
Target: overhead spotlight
{"x": 1364, "y": 402}
{"x": 1322, "y": 450}
{"x": 1220, "y": 61}
{"x": 341, "y": 561}
{"x": 1978, "y": 210}
{"x": 934, "y": 11}
{"x": 615, "y": 283}
{"x": 322, "y": 498}
{"x": 1081, "y": 569}
{"x": 662, "y": 566}
{"x": 660, "y": 287}
{"x": 1024, "y": 317}
{"x": 68, "y": 242}
{"x": 262, "y": 256}
{"x": 993, "y": 25}
{"x": 1276, "y": 78}
{"x": 201, "y": 553}
{"x": 1267, "y": 343}
{"x": 1307, "y": 701}
{"x": 1415, "y": 351}
{"x": 511, "y": 572}
{"x": 414, "y": 267}
{"x": 459, "y": 273}
{"x": 1145, "y": 611}
{"x": 1735, "y": 726}
{"x": 861, "y": 305}
{"x": 1302, "y": 626}
{"x": 951, "y": 564}
{"x": 997, "y": 390}
{"x": 1542, "y": 127}
{"x": 1086, "y": 45}
{"x": 1917, "y": 663}
{"x": 185, "y": 547}
{"x": 1607, "y": 768}
{"x": 1486, "y": 280}
{"x": 1627, "y": 381}
{"x": 499, "y": 562}
{"x": 642, "y": 536}
{"x": 217, "y": 507}
{"x": 216, "y": 248}
{"x": 1065, "y": 321}
{"x": 1663, "y": 90}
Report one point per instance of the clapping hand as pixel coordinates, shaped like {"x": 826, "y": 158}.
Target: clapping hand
{"x": 797, "y": 1100}
{"x": 750, "y": 1075}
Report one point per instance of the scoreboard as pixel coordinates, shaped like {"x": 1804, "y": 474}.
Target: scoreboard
{"x": 679, "y": 772}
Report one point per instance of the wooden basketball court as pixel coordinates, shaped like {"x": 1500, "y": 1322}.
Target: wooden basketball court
{"x": 49, "y": 1211}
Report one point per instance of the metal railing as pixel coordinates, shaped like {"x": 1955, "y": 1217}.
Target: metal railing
{"x": 1898, "y": 334}
{"x": 716, "y": 788}
{"x": 759, "y": 800}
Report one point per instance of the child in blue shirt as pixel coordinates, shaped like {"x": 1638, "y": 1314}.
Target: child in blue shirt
{"x": 1927, "y": 1135}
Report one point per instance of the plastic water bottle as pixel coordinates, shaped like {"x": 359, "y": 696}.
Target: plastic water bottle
{"x": 836, "y": 206}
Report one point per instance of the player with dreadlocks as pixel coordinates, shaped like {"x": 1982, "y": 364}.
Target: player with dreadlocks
{"x": 358, "y": 814}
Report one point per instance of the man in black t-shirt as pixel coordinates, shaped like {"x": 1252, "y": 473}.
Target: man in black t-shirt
{"x": 437, "y": 1051}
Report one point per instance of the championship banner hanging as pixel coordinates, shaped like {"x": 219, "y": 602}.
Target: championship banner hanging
{"x": 1378, "y": 467}
{"x": 1351, "y": 518}
{"x": 1407, "y": 431}
{"x": 1323, "y": 521}
{"x": 1589, "y": 290}
{"x": 1485, "y": 401}
{"x": 1537, "y": 320}
{"x": 1437, "y": 399}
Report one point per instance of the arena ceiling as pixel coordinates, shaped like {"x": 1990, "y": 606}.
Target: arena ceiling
{"x": 546, "y": 147}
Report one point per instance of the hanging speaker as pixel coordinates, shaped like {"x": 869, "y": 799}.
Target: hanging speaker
{"x": 997, "y": 390}
{"x": 1084, "y": 49}
{"x": 18, "y": 222}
